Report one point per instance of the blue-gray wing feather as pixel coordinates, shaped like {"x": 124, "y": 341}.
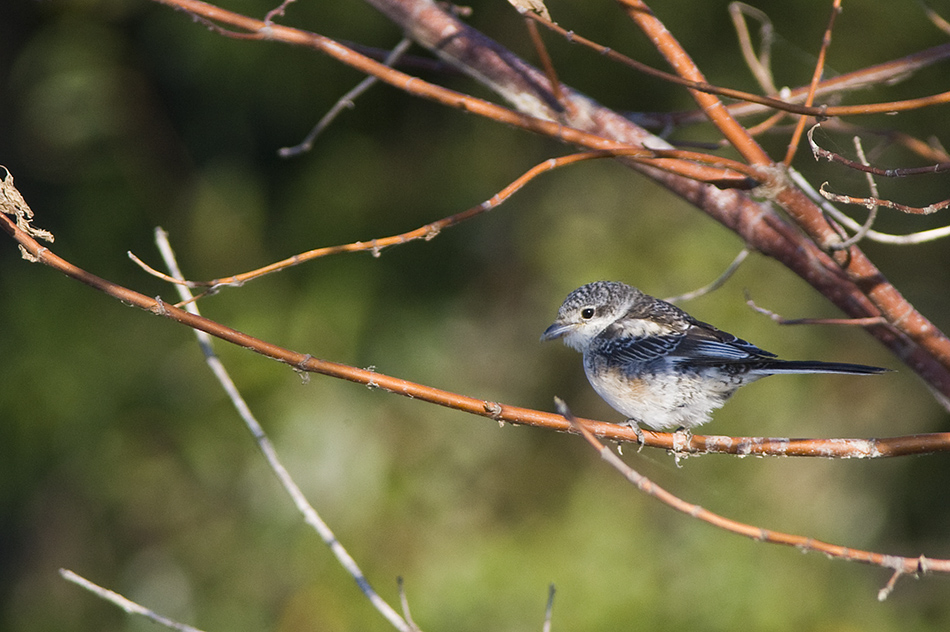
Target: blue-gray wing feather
{"x": 704, "y": 344}
{"x": 698, "y": 343}
{"x": 642, "y": 349}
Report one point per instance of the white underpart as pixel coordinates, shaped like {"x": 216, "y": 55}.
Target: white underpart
{"x": 671, "y": 401}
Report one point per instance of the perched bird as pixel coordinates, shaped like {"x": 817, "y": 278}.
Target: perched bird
{"x": 658, "y": 365}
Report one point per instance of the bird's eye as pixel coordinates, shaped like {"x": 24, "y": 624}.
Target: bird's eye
{"x": 587, "y": 313}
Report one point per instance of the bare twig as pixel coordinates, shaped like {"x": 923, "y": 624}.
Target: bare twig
{"x": 545, "y": 60}
{"x": 404, "y": 602}
{"x": 715, "y": 285}
{"x": 872, "y": 212}
{"x": 813, "y": 86}
{"x": 929, "y": 150}
{"x": 346, "y": 101}
{"x": 910, "y": 239}
{"x": 761, "y": 64}
{"x": 871, "y": 202}
{"x": 781, "y": 320}
{"x": 898, "y": 564}
{"x": 126, "y": 604}
{"x": 768, "y": 125}
{"x": 820, "y": 152}
{"x": 935, "y": 18}
{"x": 310, "y": 515}
{"x": 549, "y": 608}
{"x": 687, "y": 160}
{"x": 278, "y": 11}
{"x": 884, "y": 238}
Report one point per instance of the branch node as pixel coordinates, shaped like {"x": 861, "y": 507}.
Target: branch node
{"x": 159, "y": 308}
{"x": 494, "y": 411}
{"x": 12, "y": 203}
{"x": 885, "y": 592}
{"x": 371, "y": 383}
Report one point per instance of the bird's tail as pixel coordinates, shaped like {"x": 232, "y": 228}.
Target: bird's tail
{"x": 814, "y": 366}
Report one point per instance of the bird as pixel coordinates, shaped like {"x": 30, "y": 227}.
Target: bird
{"x": 659, "y": 366}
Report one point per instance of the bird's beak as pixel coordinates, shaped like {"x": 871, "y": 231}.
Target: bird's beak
{"x": 555, "y": 331}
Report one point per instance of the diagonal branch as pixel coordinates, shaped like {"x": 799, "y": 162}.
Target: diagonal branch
{"x": 126, "y": 604}
{"x": 844, "y": 448}
{"x": 269, "y": 452}
{"x": 813, "y": 85}
{"x": 899, "y": 565}
{"x": 691, "y": 164}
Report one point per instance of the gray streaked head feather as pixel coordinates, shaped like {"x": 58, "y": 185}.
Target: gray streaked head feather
{"x": 590, "y": 309}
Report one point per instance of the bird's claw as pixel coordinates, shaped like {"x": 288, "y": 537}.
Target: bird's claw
{"x": 633, "y": 425}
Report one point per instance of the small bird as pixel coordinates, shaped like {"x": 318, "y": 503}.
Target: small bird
{"x": 658, "y": 365}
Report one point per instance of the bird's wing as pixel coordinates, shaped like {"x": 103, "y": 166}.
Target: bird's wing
{"x": 704, "y": 344}
{"x": 635, "y": 338}
{"x": 663, "y": 330}
{"x": 626, "y": 349}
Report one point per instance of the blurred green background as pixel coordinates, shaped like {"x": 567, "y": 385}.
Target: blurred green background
{"x": 121, "y": 459}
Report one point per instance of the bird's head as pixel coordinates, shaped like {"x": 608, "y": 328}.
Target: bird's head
{"x": 588, "y": 310}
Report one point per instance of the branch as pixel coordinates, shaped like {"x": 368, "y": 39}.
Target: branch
{"x": 819, "y": 152}
{"x": 751, "y": 103}
{"x": 690, "y": 161}
{"x": 310, "y": 515}
{"x": 813, "y": 86}
{"x": 126, "y": 604}
{"x": 900, "y": 565}
{"x": 697, "y": 444}
{"x": 873, "y": 202}
{"x": 884, "y": 238}
{"x": 346, "y": 101}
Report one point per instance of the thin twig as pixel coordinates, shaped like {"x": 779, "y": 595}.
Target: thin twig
{"x": 767, "y": 125}
{"x": 310, "y": 515}
{"x": 813, "y": 86}
{"x": 346, "y": 101}
{"x": 715, "y": 285}
{"x": 884, "y": 238}
{"x": 781, "y": 320}
{"x": 872, "y": 212}
{"x": 935, "y": 18}
{"x": 548, "y": 610}
{"x": 546, "y": 64}
{"x": 429, "y": 231}
{"x": 278, "y": 11}
{"x": 871, "y": 202}
{"x": 404, "y": 602}
{"x": 820, "y": 152}
{"x": 760, "y": 534}
{"x": 126, "y": 604}
{"x": 930, "y": 150}
{"x": 760, "y": 65}
{"x": 910, "y": 239}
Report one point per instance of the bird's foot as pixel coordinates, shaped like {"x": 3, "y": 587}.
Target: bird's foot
{"x": 633, "y": 425}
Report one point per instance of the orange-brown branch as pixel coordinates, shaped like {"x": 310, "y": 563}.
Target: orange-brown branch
{"x": 850, "y": 448}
